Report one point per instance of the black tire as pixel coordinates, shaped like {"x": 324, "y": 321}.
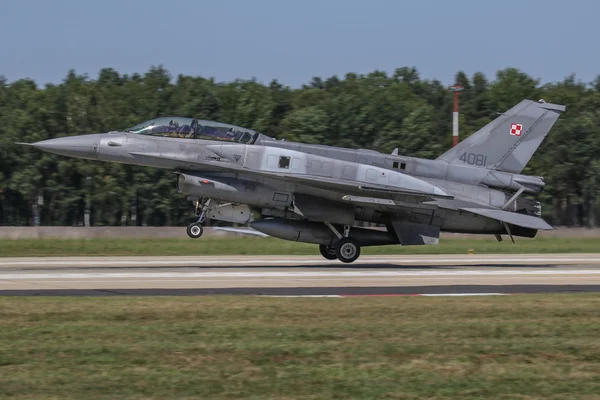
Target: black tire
{"x": 347, "y": 250}
{"x": 195, "y": 230}
{"x": 327, "y": 252}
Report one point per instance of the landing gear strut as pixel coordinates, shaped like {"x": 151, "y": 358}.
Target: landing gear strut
{"x": 195, "y": 230}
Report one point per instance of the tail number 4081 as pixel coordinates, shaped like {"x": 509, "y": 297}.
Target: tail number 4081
{"x": 478, "y": 160}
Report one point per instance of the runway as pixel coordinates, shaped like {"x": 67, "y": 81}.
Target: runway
{"x": 301, "y": 275}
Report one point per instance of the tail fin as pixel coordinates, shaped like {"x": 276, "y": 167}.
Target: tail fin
{"x": 508, "y": 142}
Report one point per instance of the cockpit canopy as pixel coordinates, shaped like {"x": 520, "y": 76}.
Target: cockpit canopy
{"x": 167, "y": 126}
{"x": 191, "y": 128}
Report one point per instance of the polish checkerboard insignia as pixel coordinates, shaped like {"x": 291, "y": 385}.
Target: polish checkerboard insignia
{"x": 516, "y": 129}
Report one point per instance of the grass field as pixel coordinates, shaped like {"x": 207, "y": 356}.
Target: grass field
{"x": 513, "y": 347}
{"x": 263, "y": 246}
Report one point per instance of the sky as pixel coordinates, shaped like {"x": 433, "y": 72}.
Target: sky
{"x": 295, "y": 40}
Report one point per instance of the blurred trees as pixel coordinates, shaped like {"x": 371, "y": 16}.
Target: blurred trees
{"x": 374, "y": 111}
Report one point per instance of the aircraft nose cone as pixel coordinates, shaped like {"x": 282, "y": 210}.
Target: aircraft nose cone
{"x": 83, "y": 146}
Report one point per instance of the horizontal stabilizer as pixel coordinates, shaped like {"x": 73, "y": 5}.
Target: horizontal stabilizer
{"x": 525, "y": 221}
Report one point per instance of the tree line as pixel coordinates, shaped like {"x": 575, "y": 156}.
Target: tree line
{"x": 377, "y": 111}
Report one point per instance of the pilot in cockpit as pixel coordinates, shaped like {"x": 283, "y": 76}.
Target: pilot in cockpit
{"x": 230, "y": 132}
{"x": 186, "y": 131}
{"x": 173, "y": 126}
{"x": 192, "y": 129}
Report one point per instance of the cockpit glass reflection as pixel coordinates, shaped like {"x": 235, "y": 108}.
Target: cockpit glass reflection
{"x": 191, "y": 128}
{"x": 177, "y": 127}
{"x": 217, "y": 131}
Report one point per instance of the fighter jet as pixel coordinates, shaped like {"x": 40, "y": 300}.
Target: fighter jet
{"x": 322, "y": 194}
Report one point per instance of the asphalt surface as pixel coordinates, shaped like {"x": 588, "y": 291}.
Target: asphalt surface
{"x": 300, "y": 275}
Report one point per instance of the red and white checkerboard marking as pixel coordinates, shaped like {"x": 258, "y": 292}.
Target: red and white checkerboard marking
{"x": 516, "y": 129}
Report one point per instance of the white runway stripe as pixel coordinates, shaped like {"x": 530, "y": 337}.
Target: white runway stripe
{"x": 462, "y": 294}
{"x": 397, "y": 260}
{"x": 290, "y": 274}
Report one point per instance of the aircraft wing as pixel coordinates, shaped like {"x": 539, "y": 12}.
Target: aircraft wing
{"x": 404, "y": 185}
{"x": 365, "y": 189}
{"x": 380, "y": 196}
{"x": 526, "y": 221}
{"x": 355, "y": 191}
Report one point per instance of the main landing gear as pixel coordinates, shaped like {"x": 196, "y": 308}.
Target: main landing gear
{"x": 327, "y": 252}
{"x": 195, "y": 230}
{"x": 345, "y": 249}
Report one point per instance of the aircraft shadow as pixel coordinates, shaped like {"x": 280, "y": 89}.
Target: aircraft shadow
{"x": 375, "y": 266}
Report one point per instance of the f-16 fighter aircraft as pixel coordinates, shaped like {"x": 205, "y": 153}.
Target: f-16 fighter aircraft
{"x": 318, "y": 194}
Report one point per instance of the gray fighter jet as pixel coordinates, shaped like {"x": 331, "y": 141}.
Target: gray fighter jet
{"x": 321, "y": 194}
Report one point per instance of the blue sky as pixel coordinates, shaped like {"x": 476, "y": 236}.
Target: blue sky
{"x": 293, "y": 41}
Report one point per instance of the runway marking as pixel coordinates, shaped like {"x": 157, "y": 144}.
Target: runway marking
{"x": 462, "y": 294}
{"x": 288, "y": 274}
{"x": 205, "y": 261}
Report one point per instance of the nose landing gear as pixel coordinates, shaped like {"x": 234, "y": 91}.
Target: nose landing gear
{"x": 195, "y": 230}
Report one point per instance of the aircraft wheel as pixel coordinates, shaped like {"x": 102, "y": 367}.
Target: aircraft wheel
{"x": 328, "y": 252}
{"x": 195, "y": 230}
{"x": 347, "y": 250}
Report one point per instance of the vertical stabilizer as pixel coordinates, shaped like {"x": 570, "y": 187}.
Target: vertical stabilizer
{"x": 508, "y": 142}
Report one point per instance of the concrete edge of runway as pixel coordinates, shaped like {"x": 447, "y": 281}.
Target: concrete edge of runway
{"x": 357, "y": 291}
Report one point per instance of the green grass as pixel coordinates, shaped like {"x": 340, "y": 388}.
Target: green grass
{"x": 514, "y": 347}
{"x": 263, "y": 246}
